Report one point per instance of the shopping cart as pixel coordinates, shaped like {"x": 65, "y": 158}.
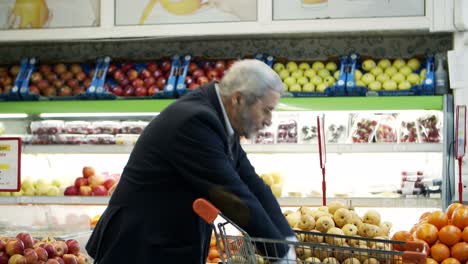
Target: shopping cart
{"x": 311, "y": 247}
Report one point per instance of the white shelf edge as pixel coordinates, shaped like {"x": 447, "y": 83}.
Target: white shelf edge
{"x": 61, "y": 200}
{"x": 249, "y": 148}
{"x": 403, "y": 202}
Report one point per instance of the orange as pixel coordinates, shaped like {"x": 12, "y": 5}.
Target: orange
{"x": 431, "y": 261}
{"x": 452, "y": 208}
{"x": 438, "y": 218}
{"x": 401, "y": 236}
{"x": 465, "y": 234}
{"x": 215, "y": 260}
{"x": 213, "y": 253}
{"x": 425, "y": 216}
{"x": 460, "y": 217}
{"x": 460, "y": 251}
{"x": 427, "y": 232}
{"x": 440, "y": 252}
{"x": 450, "y": 261}
{"x": 450, "y": 235}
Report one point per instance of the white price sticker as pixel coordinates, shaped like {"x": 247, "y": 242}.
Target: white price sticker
{"x": 10, "y": 164}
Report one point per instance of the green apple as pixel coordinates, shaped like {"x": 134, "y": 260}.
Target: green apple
{"x": 285, "y": 87}
{"x": 318, "y": 65}
{"x": 399, "y": 63}
{"x": 317, "y": 80}
{"x": 331, "y": 66}
{"x": 368, "y": 65}
{"x": 329, "y": 80}
{"x": 40, "y": 182}
{"x": 310, "y": 73}
{"x": 406, "y": 70}
{"x": 414, "y": 64}
{"x": 336, "y": 75}
{"x": 404, "y": 85}
{"x": 302, "y": 81}
{"x": 382, "y": 78}
{"x": 390, "y": 85}
{"x": 297, "y": 74}
{"x": 52, "y": 191}
{"x": 361, "y": 84}
{"x": 368, "y": 78}
{"x": 398, "y": 77}
{"x": 390, "y": 71}
{"x": 304, "y": 66}
{"x": 290, "y": 81}
{"x": 375, "y": 86}
{"x": 321, "y": 87}
{"x": 308, "y": 87}
{"x": 384, "y": 64}
{"x": 422, "y": 74}
{"x": 323, "y": 73}
{"x": 357, "y": 75}
{"x": 413, "y": 78}
{"x": 27, "y": 183}
{"x": 29, "y": 192}
{"x": 295, "y": 88}
{"x": 57, "y": 183}
{"x": 278, "y": 67}
{"x": 376, "y": 71}
{"x": 291, "y": 66}
{"x": 283, "y": 74}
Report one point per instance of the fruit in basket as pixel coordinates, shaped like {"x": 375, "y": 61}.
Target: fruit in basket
{"x": 351, "y": 261}
{"x": 349, "y": 229}
{"x": 390, "y": 85}
{"x": 17, "y": 259}
{"x": 70, "y": 259}
{"x": 368, "y": 65}
{"x": 324, "y": 223}
{"x": 85, "y": 190}
{"x": 399, "y": 63}
{"x": 398, "y": 77}
{"x": 341, "y": 217}
{"x": 371, "y": 217}
{"x": 375, "y": 86}
{"x": 306, "y": 223}
{"x": 335, "y": 240}
{"x": 14, "y": 246}
{"x": 368, "y": 78}
{"x": 88, "y": 171}
{"x": 293, "y": 218}
{"x": 329, "y": 260}
{"x": 405, "y": 85}
{"x": 439, "y": 252}
{"x": 99, "y": 191}
{"x": 427, "y": 232}
{"x": 413, "y": 78}
{"x": 41, "y": 254}
{"x": 376, "y": 71}
{"x": 438, "y": 218}
{"x": 61, "y": 248}
{"x": 30, "y": 255}
{"x": 81, "y": 181}
{"x": 26, "y": 239}
{"x": 460, "y": 217}
{"x": 384, "y": 63}
{"x": 73, "y": 246}
{"x": 3, "y": 258}
{"x": 406, "y": 70}
{"x": 52, "y": 261}
{"x": 335, "y": 205}
{"x": 71, "y": 191}
{"x": 50, "y": 250}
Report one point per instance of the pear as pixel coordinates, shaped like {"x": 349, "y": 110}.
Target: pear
{"x": 335, "y": 205}
{"x": 305, "y": 210}
{"x": 314, "y": 236}
{"x": 368, "y": 230}
{"x": 371, "y": 244}
{"x": 324, "y": 209}
{"x": 358, "y": 242}
{"x": 355, "y": 219}
{"x": 277, "y": 177}
{"x": 303, "y": 252}
{"x": 311, "y": 260}
{"x": 259, "y": 259}
{"x": 306, "y": 223}
{"x": 349, "y": 230}
{"x": 371, "y": 217}
{"x": 285, "y": 213}
{"x": 330, "y": 260}
{"x": 335, "y": 240}
{"x": 371, "y": 261}
{"x": 293, "y": 218}
{"x": 384, "y": 229}
{"x": 342, "y": 216}
{"x": 317, "y": 214}
{"x": 238, "y": 260}
{"x": 351, "y": 261}
{"x": 324, "y": 223}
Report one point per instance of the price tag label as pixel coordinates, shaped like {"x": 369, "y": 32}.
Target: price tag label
{"x": 460, "y": 132}
{"x": 10, "y": 164}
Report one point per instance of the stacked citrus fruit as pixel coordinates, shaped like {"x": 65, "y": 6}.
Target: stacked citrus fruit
{"x": 445, "y": 235}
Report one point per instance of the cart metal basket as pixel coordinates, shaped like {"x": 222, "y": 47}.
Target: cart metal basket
{"x": 311, "y": 247}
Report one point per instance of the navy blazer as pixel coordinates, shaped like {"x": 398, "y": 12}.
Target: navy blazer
{"x": 182, "y": 155}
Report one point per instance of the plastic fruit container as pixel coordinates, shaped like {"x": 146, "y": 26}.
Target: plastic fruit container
{"x": 287, "y": 131}
{"x": 100, "y": 139}
{"x": 78, "y": 127}
{"x": 71, "y": 139}
{"x": 106, "y": 127}
{"x": 408, "y": 130}
{"x": 133, "y": 127}
{"x": 429, "y": 128}
{"x": 265, "y": 136}
{"x": 43, "y": 139}
{"x": 386, "y": 130}
{"x": 364, "y": 129}
{"x": 47, "y": 127}
{"x": 126, "y": 139}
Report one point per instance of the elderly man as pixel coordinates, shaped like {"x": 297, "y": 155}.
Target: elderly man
{"x": 192, "y": 150}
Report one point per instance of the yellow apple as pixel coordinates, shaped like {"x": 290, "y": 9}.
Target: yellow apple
{"x": 181, "y": 7}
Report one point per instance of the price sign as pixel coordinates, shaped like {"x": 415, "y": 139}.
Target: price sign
{"x": 10, "y": 164}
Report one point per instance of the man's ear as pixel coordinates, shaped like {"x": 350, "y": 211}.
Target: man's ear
{"x": 236, "y": 98}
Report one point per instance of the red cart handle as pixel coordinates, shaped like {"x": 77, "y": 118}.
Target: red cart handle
{"x": 205, "y": 210}
{"x": 415, "y": 252}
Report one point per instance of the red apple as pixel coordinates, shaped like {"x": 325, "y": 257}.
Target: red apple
{"x": 58, "y": 83}
{"x": 124, "y": 82}
{"x": 99, "y": 191}
{"x": 78, "y": 90}
{"x": 31, "y": 256}
{"x": 73, "y": 246}
{"x": 80, "y": 76}
{"x": 2, "y": 245}
{"x": 145, "y": 73}
{"x": 14, "y": 246}
{"x": 129, "y": 90}
{"x": 137, "y": 83}
{"x": 26, "y": 238}
{"x": 65, "y": 91}
{"x": 117, "y": 90}
{"x": 72, "y": 83}
{"x": 152, "y": 66}
{"x": 88, "y": 171}
{"x": 50, "y": 91}
{"x": 118, "y": 75}
{"x": 202, "y": 80}
{"x": 206, "y": 66}
{"x": 14, "y": 70}
{"x": 60, "y": 68}
{"x": 188, "y": 80}
{"x": 82, "y": 259}
{"x": 95, "y": 180}
{"x": 42, "y": 254}
{"x": 161, "y": 82}
{"x": 50, "y": 249}
{"x": 81, "y": 181}
{"x": 220, "y": 65}
{"x": 44, "y": 68}
{"x": 87, "y": 83}
{"x": 66, "y": 76}
{"x": 34, "y": 90}
{"x": 76, "y": 68}
{"x": 132, "y": 74}
{"x": 70, "y": 259}
{"x": 192, "y": 67}
{"x": 17, "y": 259}
{"x": 43, "y": 84}
{"x": 59, "y": 260}
{"x": 51, "y": 77}
{"x": 197, "y": 73}
{"x": 61, "y": 248}
{"x": 85, "y": 191}
{"x": 72, "y": 191}
{"x": 212, "y": 74}
{"x": 149, "y": 81}
{"x": 127, "y": 66}
{"x": 166, "y": 66}
{"x": 141, "y": 91}
{"x": 111, "y": 69}
{"x": 157, "y": 73}
{"x": 36, "y": 77}
{"x": 52, "y": 261}
{"x": 7, "y": 81}
{"x": 3, "y": 258}
{"x": 193, "y": 86}
{"x": 109, "y": 183}
{"x": 152, "y": 90}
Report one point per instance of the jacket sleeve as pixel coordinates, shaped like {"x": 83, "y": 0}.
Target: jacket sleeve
{"x": 263, "y": 194}
{"x": 199, "y": 155}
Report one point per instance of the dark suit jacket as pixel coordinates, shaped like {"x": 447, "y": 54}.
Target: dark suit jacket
{"x": 183, "y": 155}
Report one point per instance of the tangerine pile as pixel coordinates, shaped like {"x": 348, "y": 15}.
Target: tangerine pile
{"x": 445, "y": 235}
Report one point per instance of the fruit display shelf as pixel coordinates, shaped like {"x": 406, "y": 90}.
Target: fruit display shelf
{"x": 286, "y": 104}
{"x": 249, "y": 148}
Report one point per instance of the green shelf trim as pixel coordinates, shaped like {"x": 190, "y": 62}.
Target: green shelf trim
{"x": 286, "y": 104}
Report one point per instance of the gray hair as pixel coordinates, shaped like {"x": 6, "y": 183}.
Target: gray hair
{"x": 252, "y": 78}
